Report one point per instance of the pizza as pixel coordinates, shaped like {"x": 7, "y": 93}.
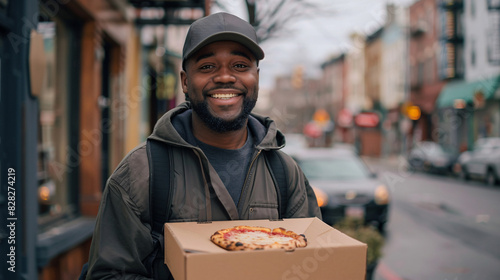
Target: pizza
{"x": 242, "y": 238}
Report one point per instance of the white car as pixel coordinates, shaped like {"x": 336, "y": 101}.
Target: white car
{"x": 482, "y": 162}
{"x": 431, "y": 157}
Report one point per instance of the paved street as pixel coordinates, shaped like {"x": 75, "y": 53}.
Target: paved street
{"x": 439, "y": 228}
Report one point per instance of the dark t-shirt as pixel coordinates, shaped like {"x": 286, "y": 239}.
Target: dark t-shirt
{"x": 231, "y": 165}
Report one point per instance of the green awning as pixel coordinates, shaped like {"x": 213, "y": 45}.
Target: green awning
{"x": 467, "y": 90}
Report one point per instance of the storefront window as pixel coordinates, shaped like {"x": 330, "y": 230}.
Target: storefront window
{"x": 57, "y": 156}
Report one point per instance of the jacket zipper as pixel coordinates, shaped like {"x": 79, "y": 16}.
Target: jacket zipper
{"x": 246, "y": 180}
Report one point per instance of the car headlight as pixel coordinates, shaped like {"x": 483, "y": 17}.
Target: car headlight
{"x": 381, "y": 195}
{"x": 321, "y": 197}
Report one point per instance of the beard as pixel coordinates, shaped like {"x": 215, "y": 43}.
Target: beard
{"x": 221, "y": 125}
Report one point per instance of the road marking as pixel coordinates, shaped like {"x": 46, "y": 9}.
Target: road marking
{"x": 387, "y": 273}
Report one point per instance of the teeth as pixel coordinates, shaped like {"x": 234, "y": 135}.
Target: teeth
{"x": 224, "y": 95}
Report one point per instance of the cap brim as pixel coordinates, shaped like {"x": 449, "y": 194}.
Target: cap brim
{"x": 229, "y": 36}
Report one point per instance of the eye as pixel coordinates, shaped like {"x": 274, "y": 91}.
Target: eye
{"x": 240, "y": 66}
{"x": 206, "y": 67}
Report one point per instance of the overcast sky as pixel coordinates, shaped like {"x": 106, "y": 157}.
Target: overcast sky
{"x": 314, "y": 40}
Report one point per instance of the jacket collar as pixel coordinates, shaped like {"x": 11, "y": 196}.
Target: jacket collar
{"x": 174, "y": 127}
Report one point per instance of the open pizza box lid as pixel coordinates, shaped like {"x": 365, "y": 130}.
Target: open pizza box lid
{"x": 190, "y": 254}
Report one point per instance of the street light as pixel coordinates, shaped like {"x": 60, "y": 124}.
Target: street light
{"x": 414, "y": 112}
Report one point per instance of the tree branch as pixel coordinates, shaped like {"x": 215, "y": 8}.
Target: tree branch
{"x": 272, "y": 19}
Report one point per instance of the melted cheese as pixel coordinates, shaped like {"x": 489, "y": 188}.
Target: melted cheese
{"x": 259, "y": 238}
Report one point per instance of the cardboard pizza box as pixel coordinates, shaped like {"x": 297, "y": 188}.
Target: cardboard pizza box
{"x": 330, "y": 254}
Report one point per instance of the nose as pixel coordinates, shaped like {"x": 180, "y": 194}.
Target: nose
{"x": 224, "y": 75}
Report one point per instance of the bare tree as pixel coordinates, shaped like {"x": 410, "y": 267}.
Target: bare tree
{"x": 271, "y": 18}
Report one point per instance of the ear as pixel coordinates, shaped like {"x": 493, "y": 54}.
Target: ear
{"x": 184, "y": 81}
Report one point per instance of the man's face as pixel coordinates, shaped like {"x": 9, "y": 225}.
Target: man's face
{"x": 222, "y": 83}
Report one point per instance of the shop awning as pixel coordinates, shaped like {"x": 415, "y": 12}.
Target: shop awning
{"x": 468, "y": 91}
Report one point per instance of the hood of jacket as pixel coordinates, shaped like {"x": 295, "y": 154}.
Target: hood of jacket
{"x": 174, "y": 128}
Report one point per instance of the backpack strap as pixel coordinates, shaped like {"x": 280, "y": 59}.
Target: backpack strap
{"x": 159, "y": 155}
{"x": 280, "y": 175}
{"x": 160, "y": 195}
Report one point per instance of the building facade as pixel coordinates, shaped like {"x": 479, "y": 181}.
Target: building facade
{"x": 73, "y": 131}
{"x": 334, "y": 91}
{"x": 356, "y": 99}
{"x": 482, "y": 39}
{"x": 293, "y": 103}
{"x": 394, "y": 77}
{"x": 76, "y": 94}
{"x": 426, "y": 69}
{"x": 368, "y": 137}
{"x": 469, "y": 108}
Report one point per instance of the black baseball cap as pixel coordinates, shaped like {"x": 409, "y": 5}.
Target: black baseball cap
{"x": 220, "y": 27}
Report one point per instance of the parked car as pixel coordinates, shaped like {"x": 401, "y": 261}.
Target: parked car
{"x": 431, "y": 157}
{"x": 344, "y": 185}
{"x": 482, "y": 162}
{"x": 294, "y": 142}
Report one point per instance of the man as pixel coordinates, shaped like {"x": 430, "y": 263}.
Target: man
{"x": 218, "y": 154}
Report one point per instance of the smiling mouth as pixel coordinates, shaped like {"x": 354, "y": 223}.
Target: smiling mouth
{"x": 224, "y": 95}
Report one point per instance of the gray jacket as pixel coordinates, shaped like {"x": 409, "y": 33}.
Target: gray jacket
{"x": 122, "y": 237}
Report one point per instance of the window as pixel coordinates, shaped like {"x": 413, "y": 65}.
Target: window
{"x": 429, "y": 70}
{"x": 448, "y": 61}
{"x": 413, "y": 75}
{"x": 58, "y": 123}
{"x": 339, "y": 168}
{"x": 493, "y": 43}
{"x": 420, "y": 73}
{"x": 473, "y": 53}
{"x": 459, "y": 61}
{"x": 493, "y": 4}
{"x": 444, "y": 56}
{"x": 443, "y": 24}
{"x": 459, "y": 24}
{"x": 429, "y": 17}
{"x": 450, "y": 24}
